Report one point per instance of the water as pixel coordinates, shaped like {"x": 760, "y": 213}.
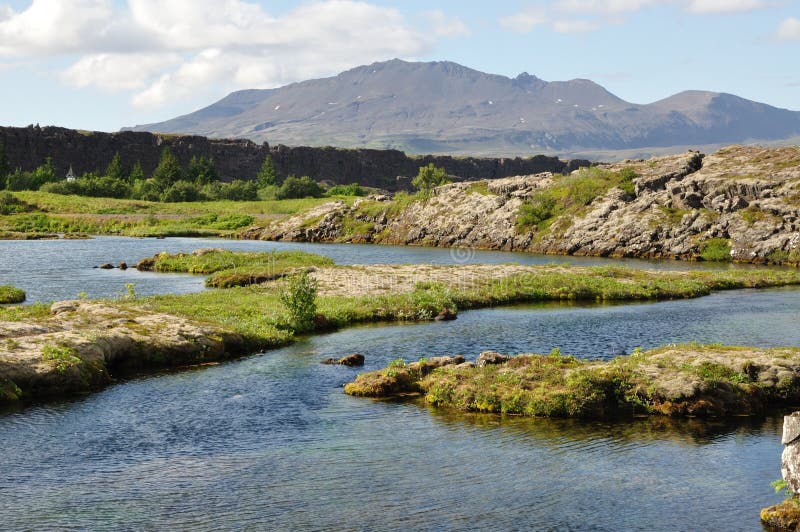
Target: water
{"x": 271, "y": 442}
{"x": 61, "y": 269}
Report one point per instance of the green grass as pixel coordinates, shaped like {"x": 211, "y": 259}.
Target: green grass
{"x": 62, "y": 357}
{"x": 715, "y": 250}
{"x": 228, "y": 268}
{"x": 568, "y": 194}
{"x": 256, "y": 312}
{"x": 556, "y": 385}
{"x": 55, "y": 213}
{"x": 479, "y": 187}
{"x": 11, "y": 294}
{"x": 35, "y": 312}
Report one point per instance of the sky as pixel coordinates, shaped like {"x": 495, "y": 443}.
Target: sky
{"x": 105, "y": 64}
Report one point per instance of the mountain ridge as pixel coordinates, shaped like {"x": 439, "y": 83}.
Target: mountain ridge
{"x": 446, "y": 107}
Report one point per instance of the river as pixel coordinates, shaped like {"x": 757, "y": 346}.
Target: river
{"x": 271, "y": 442}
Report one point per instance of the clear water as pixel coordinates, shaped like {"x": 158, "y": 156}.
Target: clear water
{"x": 61, "y": 269}
{"x": 271, "y": 442}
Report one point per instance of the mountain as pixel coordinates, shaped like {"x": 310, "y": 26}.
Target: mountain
{"x": 446, "y": 107}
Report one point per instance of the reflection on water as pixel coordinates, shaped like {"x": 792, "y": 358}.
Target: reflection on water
{"x": 61, "y": 269}
{"x": 271, "y": 442}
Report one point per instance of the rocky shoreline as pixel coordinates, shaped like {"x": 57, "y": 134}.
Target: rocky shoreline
{"x": 82, "y": 346}
{"x": 745, "y": 199}
{"x": 676, "y": 380}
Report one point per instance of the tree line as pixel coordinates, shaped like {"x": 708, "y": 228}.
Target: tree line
{"x": 170, "y": 181}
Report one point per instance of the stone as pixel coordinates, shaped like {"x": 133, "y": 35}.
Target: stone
{"x": 490, "y": 358}
{"x": 63, "y": 306}
{"x": 330, "y": 361}
{"x": 355, "y": 359}
{"x": 446, "y": 315}
{"x": 123, "y": 265}
{"x": 106, "y": 266}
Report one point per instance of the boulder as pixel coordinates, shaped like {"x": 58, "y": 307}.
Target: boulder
{"x": 355, "y": 359}
{"x": 106, "y": 266}
{"x": 491, "y": 358}
{"x": 63, "y": 306}
{"x": 446, "y": 315}
{"x": 790, "y": 459}
{"x": 123, "y": 265}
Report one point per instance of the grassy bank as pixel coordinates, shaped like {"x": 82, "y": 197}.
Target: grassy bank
{"x": 354, "y": 294}
{"x": 227, "y": 269}
{"x": 11, "y": 294}
{"x": 44, "y": 213}
{"x": 684, "y": 380}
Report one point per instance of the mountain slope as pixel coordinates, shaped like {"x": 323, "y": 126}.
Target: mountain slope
{"x": 446, "y": 107}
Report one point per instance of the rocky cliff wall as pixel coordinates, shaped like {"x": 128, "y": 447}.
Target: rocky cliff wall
{"x": 745, "y": 198}
{"x": 28, "y": 147}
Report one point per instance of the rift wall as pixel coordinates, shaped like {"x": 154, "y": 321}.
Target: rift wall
{"x": 86, "y": 151}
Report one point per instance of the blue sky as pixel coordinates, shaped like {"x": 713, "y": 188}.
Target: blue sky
{"x": 105, "y": 64}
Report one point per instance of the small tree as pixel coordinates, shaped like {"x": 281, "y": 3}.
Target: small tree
{"x": 302, "y": 187}
{"x": 299, "y": 296}
{"x": 114, "y": 169}
{"x": 3, "y": 166}
{"x": 266, "y": 175}
{"x": 169, "y": 170}
{"x": 137, "y": 174}
{"x": 429, "y": 177}
{"x": 202, "y": 170}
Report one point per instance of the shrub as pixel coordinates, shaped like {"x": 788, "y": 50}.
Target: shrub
{"x": 181, "y": 191}
{"x": 353, "y": 189}
{"x": 429, "y": 177}
{"x": 541, "y": 207}
{"x": 146, "y": 189}
{"x": 90, "y": 185}
{"x": 715, "y": 250}
{"x": 299, "y": 296}
{"x": 303, "y": 187}
{"x": 11, "y": 294}
{"x": 10, "y": 204}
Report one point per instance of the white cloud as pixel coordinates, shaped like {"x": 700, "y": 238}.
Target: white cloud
{"x": 168, "y": 50}
{"x": 602, "y": 6}
{"x": 525, "y": 21}
{"x": 575, "y": 26}
{"x": 789, "y": 30}
{"x": 444, "y": 26}
{"x": 724, "y": 6}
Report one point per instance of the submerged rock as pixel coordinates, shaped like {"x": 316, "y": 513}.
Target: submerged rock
{"x": 355, "y": 359}
{"x": 106, "y": 266}
{"x": 446, "y": 315}
{"x": 123, "y": 265}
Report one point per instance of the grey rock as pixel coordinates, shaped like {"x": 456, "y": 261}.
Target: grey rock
{"x": 491, "y": 358}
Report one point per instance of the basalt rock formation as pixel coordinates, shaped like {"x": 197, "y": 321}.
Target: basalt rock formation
{"x": 85, "y": 151}
{"x": 746, "y": 200}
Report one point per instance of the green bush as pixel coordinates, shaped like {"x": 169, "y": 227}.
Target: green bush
{"x": 10, "y": 204}
{"x": 11, "y": 294}
{"x": 180, "y": 191}
{"x": 299, "y": 296}
{"x": 541, "y": 207}
{"x": 302, "y": 187}
{"x": 353, "y": 189}
{"x": 92, "y": 186}
{"x": 715, "y": 250}
{"x": 19, "y": 180}
{"x": 429, "y": 177}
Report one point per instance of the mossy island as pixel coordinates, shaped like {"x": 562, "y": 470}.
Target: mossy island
{"x": 11, "y": 294}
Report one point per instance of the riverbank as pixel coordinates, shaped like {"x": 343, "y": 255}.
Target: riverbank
{"x": 74, "y": 347}
{"x": 740, "y": 204}
{"x": 676, "y": 380}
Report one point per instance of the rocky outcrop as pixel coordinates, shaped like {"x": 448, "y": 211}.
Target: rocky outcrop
{"x": 786, "y": 515}
{"x": 746, "y": 197}
{"x": 83, "y": 345}
{"x": 91, "y": 151}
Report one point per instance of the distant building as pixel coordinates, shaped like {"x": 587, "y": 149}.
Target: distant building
{"x": 70, "y": 174}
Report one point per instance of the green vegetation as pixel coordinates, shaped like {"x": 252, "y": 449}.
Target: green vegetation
{"x": 228, "y": 268}
{"x": 10, "y": 204}
{"x": 62, "y": 357}
{"x": 299, "y": 187}
{"x": 353, "y": 189}
{"x": 568, "y": 194}
{"x": 299, "y": 296}
{"x": 429, "y": 177}
{"x": 267, "y": 176}
{"x": 479, "y": 187}
{"x": 660, "y": 381}
{"x": 715, "y": 250}
{"x": 11, "y": 294}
